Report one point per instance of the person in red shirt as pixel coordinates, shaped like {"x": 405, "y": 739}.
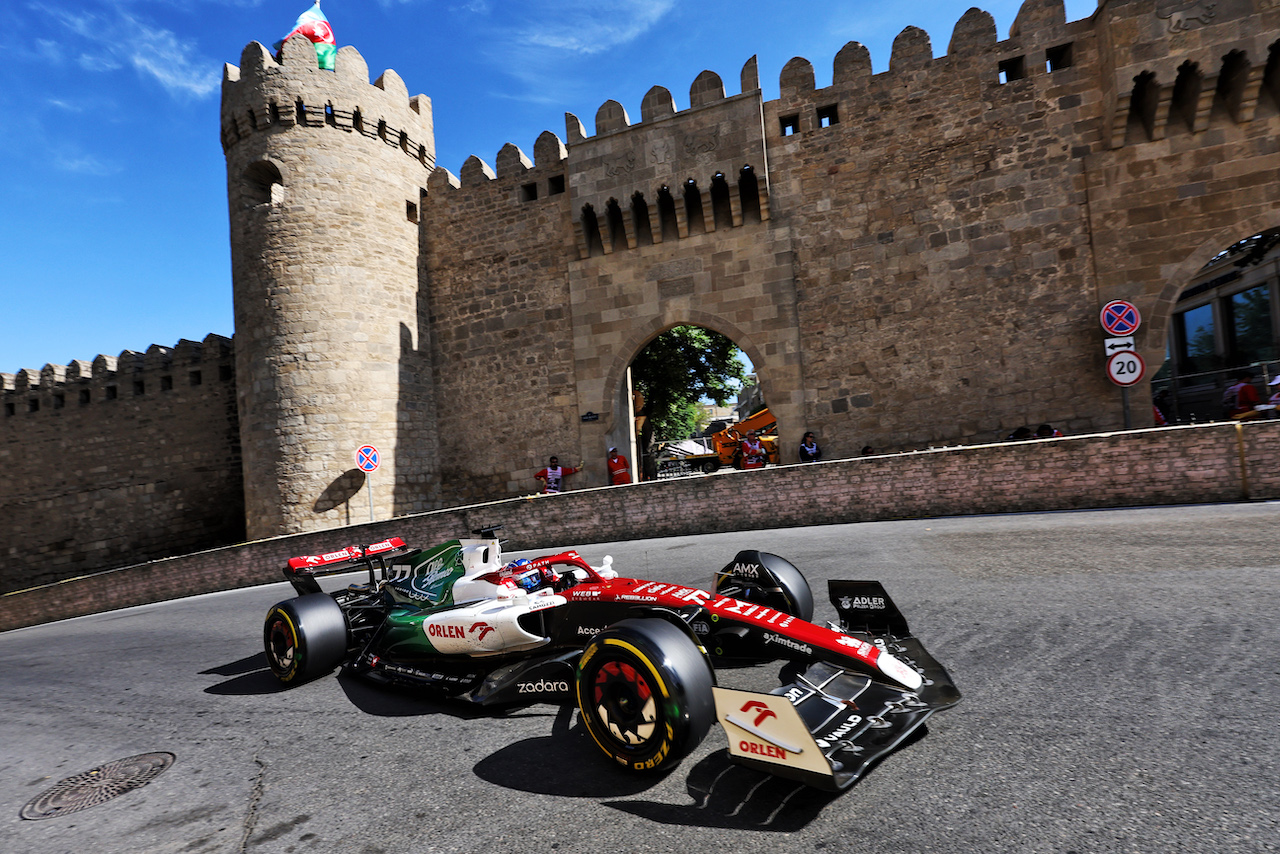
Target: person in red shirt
{"x": 619, "y": 473}
{"x": 553, "y": 476}
{"x": 754, "y": 455}
{"x": 1246, "y": 397}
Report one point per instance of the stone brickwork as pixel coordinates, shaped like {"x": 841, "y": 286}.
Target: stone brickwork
{"x": 118, "y": 460}
{"x": 1174, "y": 465}
{"x": 909, "y": 258}
{"x": 325, "y": 175}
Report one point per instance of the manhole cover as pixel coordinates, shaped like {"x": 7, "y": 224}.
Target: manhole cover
{"x": 98, "y": 785}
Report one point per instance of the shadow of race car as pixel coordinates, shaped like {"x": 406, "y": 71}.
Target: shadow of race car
{"x": 641, "y": 660}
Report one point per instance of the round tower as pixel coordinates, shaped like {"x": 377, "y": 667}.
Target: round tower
{"x": 325, "y": 174}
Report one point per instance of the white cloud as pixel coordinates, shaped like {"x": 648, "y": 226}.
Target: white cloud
{"x": 84, "y": 164}
{"x": 116, "y": 38}
{"x": 590, "y": 28}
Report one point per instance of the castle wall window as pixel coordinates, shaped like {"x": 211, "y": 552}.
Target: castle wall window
{"x": 749, "y": 193}
{"x": 721, "y": 206}
{"x": 1231, "y": 82}
{"x": 357, "y": 121}
{"x": 670, "y": 225}
{"x": 555, "y": 185}
{"x": 1012, "y": 69}
{"x": 194, "y": 378}
{"x": 529, "y": 192}
{"x": 111, "y": 392}
{"x": 1271, "y": 77}
{"x": 640, "y": 216}
{"x": 591, "y": 231}
{"x": 617, "y": 230}
{"x": 1058, "y": 58}
{"x": 59, "y": 401}
{"x": 262, "y": 183}
{"x": 828, "y": 116}
{"x": 300, "y": 112}
{"x": 225, "y": 373}
{"x": 33, "y": 405}
{"x": 693, "y": 208}
{"x": 139, "y": 388}
{"x": 1142, "y": 107}
{"x": 166, "y": 383}
{"x": 790, "y": 125}
{"x": 411, "y": 212}
{"x": 85, "y": 397}
{"x": 329, "y": 118}
{"x": 1186, "y": 97}
{"x": 9, "y": 409}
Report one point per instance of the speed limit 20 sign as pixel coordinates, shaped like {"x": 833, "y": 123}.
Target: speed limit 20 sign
{"x": 1126, "y": 368}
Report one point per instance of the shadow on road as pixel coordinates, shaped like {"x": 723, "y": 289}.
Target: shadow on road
{"x": 251, "y": 676}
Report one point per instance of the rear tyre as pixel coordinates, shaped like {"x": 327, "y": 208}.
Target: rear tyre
{"x": 644, "y": 693}
{"x": 305, "y": 637}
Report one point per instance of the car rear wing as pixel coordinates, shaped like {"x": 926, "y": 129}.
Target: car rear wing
{"x": 303, "y": 571}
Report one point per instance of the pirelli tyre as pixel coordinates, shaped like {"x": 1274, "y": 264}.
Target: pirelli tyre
{"x": 305, "y": 637}
{"x": 644, "y": 693}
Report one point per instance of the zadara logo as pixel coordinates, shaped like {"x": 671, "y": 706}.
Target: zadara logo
{"x": 482, "y": 628}
{"x": 762, "y": 710}
{"x": 543, "y": 686}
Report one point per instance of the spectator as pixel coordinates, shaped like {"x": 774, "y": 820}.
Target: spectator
{"x": 1047, "y": 431}
{"x": 1020, "y": 434}
{"x": 553, "y": 476}
{"x": 1241, "y": 398}
{"x": 868, "y": 451}
{"x": 754, "y": 454}
{"x": 809, "y": 450}
{"x": 618, "y": 471}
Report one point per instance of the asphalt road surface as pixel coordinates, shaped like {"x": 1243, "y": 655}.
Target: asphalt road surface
{"x": 1119, "y": 669}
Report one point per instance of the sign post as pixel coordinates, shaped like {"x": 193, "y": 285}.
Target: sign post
{"x": 1125, "y": 367}
{"x": 367, "y": 460}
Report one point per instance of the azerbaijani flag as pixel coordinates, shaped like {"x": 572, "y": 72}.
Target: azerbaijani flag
{"x": 315, "y": 26}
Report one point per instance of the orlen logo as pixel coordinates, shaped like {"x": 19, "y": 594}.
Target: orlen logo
{"x": 763, "y": 712}
{"x": 483, "y": 628}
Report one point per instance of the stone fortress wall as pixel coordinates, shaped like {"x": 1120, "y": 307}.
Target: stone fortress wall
{"x": 908, "y": 258}
{"x": 120, "y": 460}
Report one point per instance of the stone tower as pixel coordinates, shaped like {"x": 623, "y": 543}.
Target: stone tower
{"x": 325, "y": 175}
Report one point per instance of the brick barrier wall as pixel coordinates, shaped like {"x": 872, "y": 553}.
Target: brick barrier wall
{"x": 1174, "y": 465}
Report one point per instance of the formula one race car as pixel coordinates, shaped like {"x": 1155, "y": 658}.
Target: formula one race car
{"x": 638, "y": 658}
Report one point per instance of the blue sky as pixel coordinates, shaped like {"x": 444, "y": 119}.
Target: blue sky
{"x": 113, "y": 213}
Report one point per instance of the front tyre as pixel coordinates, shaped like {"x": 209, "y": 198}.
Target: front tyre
{"x": 305, "y": 637}
{"x": 644, "y": 693}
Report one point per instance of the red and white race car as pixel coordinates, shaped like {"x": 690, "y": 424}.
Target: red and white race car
{"x": 642, "y": 660}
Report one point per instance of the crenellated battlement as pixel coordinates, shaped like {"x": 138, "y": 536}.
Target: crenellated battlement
{"x": 263, "y": 95}
{"x": 129, "y": 374}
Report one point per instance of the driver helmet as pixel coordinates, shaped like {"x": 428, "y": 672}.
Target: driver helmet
{"x": 525, "y": 575}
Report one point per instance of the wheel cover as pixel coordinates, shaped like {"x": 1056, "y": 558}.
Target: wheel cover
{"x": 282, "y": 642}
{"x": 625, "y": 703}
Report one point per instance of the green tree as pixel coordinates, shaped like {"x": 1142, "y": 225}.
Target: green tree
{"x": 680, "y": 367}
